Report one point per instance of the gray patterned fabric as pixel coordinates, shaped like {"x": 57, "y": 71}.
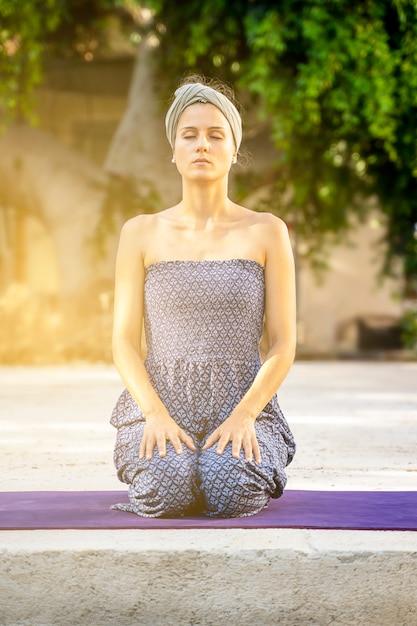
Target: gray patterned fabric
{"x": 204, "y": 322}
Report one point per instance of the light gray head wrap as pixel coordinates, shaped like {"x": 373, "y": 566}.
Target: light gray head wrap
{"x": 191, "y": 93}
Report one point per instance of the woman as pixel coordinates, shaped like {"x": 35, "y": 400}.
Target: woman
{"x": 199, "y": 426}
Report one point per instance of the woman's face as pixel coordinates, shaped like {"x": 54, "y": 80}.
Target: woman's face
{"x": 204, "y": 147}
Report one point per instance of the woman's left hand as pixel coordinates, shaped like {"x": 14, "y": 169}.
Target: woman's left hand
{"x": 241, "y": 432}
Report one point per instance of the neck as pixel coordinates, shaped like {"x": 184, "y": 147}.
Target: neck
{"x": 204, "y": 203}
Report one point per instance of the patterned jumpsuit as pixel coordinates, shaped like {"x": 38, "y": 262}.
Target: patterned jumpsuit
{"x": 203, "y": 322}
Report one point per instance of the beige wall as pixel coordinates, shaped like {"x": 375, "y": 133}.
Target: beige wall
{"x": 349, "y": 289}
{"x": 87, "y": 121}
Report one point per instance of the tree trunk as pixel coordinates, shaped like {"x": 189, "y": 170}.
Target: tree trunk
{"x": 42, "y": 176}
{"x": 140, "y": 148}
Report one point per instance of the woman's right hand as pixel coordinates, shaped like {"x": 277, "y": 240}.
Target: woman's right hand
{"x": 158, "y": 430}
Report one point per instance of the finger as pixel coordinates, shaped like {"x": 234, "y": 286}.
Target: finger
{"x": 248, "y": 449}
{"x": 146, "y": 446}
{"x": 142, "y": 447}
{"x": 236, "y": 447}
{"x": 211, "y": 440}
{"x": 150, "y": 445}
{"x": 187, "y": 440}
{"x": 223, "y": 441}
{"x": 161, "y": 444}
{"x": 256, "y": 450}
{"x": 176, "y": 443}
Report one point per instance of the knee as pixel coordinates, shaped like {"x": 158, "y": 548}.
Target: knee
{"x": 230, "y": 487}
{"x": 126, "y": 452}
{"x": 166, "y": 486}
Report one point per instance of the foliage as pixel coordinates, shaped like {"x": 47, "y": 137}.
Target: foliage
{"x": 23, "y": 27}
{"x": 32, "y": 30}
{"x": 339, "y": 83}
{"x": 409, "y": 329}
{"x": 337, "y": 80}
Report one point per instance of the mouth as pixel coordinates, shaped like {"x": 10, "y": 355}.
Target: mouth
{"x": 201, "y": 161}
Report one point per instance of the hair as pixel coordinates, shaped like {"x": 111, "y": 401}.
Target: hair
{"x": 214, "y": 83}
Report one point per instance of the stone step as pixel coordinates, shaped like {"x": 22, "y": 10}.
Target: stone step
{"x": 208, "y": 578}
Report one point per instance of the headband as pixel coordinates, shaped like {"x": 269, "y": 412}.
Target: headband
{"x": 191, "y": 93}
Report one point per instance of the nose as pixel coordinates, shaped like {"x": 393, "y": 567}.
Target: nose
{"x": 202, "y": 143}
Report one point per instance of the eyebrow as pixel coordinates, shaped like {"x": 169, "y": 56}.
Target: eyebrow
{"x": 195, "y": 128}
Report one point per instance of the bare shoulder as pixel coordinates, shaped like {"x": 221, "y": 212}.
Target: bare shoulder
{"x": 269, "y": 221}
{"x": 271, "y": 228}
{"x": 138, "y": 224}
{"x": 137, "y": 231}
{"x": 275, "y": 238}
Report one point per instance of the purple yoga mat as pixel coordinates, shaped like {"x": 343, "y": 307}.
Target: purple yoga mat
{"x": 355, "y": 510}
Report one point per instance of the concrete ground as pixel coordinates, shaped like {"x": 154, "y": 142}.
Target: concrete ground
{"x": 356, "y": 428}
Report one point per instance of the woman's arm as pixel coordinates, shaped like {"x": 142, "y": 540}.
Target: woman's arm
{"x": 127, "y": 335}
{"x": 280, "y": 326}
{"x": 280, "y": 319}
